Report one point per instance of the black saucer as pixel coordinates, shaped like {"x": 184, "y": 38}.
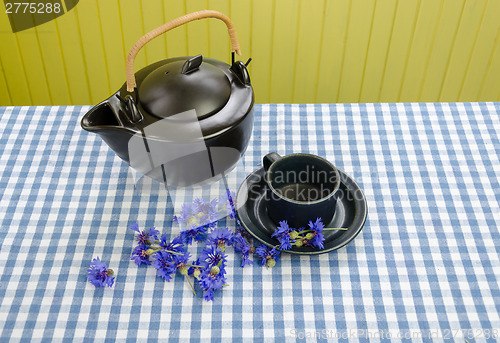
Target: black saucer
{"x": 350, "y": 212}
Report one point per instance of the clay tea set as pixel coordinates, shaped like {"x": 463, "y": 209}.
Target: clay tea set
{"x": 188, "y": 120}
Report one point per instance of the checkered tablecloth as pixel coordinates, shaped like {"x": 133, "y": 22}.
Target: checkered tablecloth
{"x": 426, "y": 263}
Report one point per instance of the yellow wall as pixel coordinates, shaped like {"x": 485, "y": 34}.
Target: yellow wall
{"x": 303, "y": 51}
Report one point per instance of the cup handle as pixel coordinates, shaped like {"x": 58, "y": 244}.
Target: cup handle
{"x": 270, "y": 159}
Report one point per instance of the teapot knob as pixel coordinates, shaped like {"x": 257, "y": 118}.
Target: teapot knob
{"x": 130, "y": 108}
{"x": 239, "y": 69}
{"x": 192, "y": 64}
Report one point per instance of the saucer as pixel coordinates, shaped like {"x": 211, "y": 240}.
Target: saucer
{"x": 350, "y": 212}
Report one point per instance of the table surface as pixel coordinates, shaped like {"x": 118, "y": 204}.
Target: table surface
{"x": 425, "y": 264}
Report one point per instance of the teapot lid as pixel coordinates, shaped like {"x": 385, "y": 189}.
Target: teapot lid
{"x": 183, "y": 85}
{"x": 220, "y": 94}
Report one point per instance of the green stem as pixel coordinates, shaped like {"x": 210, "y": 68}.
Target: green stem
{"x": 161, "y": 248}
{"x": 190, "y": 284}
{"x": 174, "y": 252}
{"x": 193, "y": 265}
{"x": 325, "y": 229}
{"x": 158, "y": 243}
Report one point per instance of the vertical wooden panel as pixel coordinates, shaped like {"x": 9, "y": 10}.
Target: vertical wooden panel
{"x": 422, "y": 43}
{"x": 332, "y": 47}
{"x": 437, "y": 58}
{"x": 154, "y": 16}
{"x": 109, "y": 16}
{"x": 466, "y": 39}
{"x": 284, "y": 50}
{"x": 241, "y": 16}
{"x": 95, "y": 62}
{"x": 380, "y": 39}
{"x": 13, "y": 71}
{"x": 309, "y": 43}
{"x": 198, "y": 31}
{"x": 262, "y": 45}
{"x": 52, "y": 60}
{"x": 485, "y": 44}
{"x": 4, "y": 90}
{"x": 402, "y": 35}
{"x": 314, "y": 51}
{"x": 33, "y": 66}
{"x": 490, "y": 88}
{"x": 219, "y": 45}
{"x": 72, "y": 52}
{"x": 358, "y": 35}
{"x": 177, "y": 38}
{"x": 132, "y": 29}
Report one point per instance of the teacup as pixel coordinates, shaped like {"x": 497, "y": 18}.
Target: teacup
{"x": 301, "y": 187}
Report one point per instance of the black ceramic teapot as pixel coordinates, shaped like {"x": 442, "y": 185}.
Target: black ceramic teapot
{"x": 181, "y": 120}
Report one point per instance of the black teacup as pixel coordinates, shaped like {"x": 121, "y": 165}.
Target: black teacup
{"x": 301, "y": 187}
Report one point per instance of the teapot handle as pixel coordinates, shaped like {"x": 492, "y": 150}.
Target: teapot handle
{"x": 171, "y": 25}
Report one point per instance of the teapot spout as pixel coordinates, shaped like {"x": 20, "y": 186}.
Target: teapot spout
{"x": 100, "y": 117}
{"x": 103, "y": 120}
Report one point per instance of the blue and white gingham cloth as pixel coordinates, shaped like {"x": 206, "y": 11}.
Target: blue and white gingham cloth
{"x": 426, "y": 263}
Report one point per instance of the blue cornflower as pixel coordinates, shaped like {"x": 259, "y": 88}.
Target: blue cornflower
{"x": 207, "y": 211}
{"x": 208, "y": 295}
{"x": 164, "y": 264}
{"x": 212, "y": 276}
{"x": 198, "y": 214}
{"x": 176, "y": 245}
{"x": 167, "y": 264}
{"x": 184, "y": 214}
{"x": 240, "y": 229}
{"x": 140, "y": 256}
{"x": 212, "y": 256}
{"x": 241, "y": 245}
{"x": 199, "y": 234}
{"x": 99, "y": 275}
{"x": 195, "y": 269}
{"x": 316, "y": 237}
{"x": 282, "y": 234}
{"x": 219, "y": 238}
{"x": 228, "y": 200}
{"x": 167, "y": 261}
{"x": 144, "y": 237}
{"x": 135, "y": 227}
{"x": 180, "y": 261}
{"x": 268, "y": 256}
{"x": 211, "y": 280}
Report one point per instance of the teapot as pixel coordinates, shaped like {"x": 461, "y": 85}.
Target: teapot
{"x": 182, "y": 120}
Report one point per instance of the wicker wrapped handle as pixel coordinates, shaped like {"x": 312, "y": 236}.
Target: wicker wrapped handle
{"x": 171, "y": 25}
